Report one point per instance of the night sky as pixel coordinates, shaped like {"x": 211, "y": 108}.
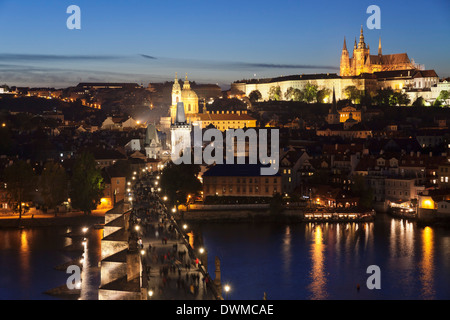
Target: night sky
{"x": 213, "y": 41}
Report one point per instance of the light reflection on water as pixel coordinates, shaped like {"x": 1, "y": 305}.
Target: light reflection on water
{"x": 329, "y": 261}
{"x": 28, "y": 258}
{"x": 288, "y": 262}
{"x": 318, "y": 276}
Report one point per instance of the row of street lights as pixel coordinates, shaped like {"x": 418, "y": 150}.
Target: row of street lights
{"x": 202, "y": 250}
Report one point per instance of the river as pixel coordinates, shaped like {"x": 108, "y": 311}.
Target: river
{"x": 286, "y": 261}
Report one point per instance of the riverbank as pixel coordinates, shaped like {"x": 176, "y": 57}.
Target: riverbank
{"x": 287, "y": 215}
{"x": 49, "y": 220}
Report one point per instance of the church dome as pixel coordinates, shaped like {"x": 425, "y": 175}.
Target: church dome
{"x": 189, "y": 97}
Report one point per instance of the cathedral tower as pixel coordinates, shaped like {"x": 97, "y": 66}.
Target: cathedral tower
{"x": 363, "y": 62}
{"x": 345, "y": 61}
{"x": 176, "y": 97}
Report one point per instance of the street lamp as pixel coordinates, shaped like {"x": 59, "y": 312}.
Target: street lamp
{"x": 227, "y": 289}
{"x": 165, "y": 198}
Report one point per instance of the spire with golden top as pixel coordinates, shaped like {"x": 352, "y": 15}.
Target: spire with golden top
{"x": 380, "y": 52}
{"x": 186, "y": 83}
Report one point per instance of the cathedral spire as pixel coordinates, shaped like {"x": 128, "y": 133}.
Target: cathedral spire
{"x": 361, "y": 44}
{"x": 345, "y": 46}
{"x": 380, "y": 52}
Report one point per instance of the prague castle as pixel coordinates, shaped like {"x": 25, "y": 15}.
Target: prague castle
{"x": 364, "y": 71}
{"x": 363, "y": 62}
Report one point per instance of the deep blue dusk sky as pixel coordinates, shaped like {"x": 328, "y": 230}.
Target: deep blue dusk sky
{"x": 213, "y": 41}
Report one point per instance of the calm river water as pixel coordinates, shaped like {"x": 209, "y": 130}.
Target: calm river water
{"x": 285, "y": 261}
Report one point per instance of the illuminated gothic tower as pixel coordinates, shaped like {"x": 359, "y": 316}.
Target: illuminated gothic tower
{"x": 363, "y": 62}
{"x": 345, "y": 61}
{"x": 360, "y": 55}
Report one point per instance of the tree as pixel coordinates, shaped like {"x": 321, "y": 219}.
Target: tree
{"x": 444, "y": 95}
{"x": 383, "y": 96}
{"x": 20, "y": 182}
{"x": 255, "y": 96}
{"x": 323, "y": 95}
{"x": 179, "y": 181}
{"x": 419, "y": 102}
{"x": 437, "y": 103}
{"x": 293, "y": 94}
{"x": 398, "y": 99}
{"x": 275, "y": 93}
{"x": 353, "y": 94}
{"x": 53, "y": 185}
{"x": 86, "y": 183}
{"x": 310, "y": 92}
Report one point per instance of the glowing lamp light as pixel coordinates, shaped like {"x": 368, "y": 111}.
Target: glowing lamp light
{"x": 427, "y": 204}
